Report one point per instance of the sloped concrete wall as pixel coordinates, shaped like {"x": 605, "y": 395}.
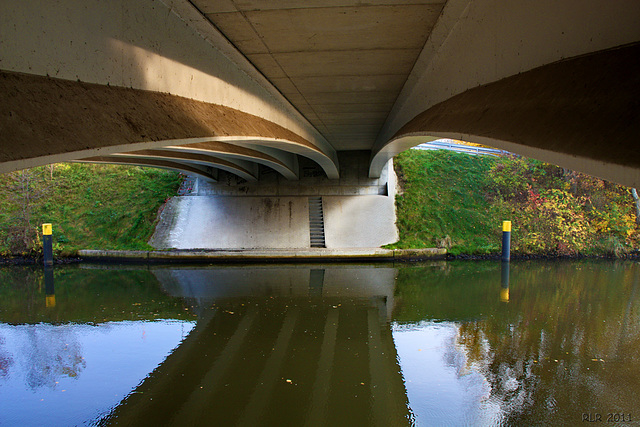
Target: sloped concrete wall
{"x": 359, "y": 221}
{"x": 209, "y": 220}
{"x": 226, "y": 222}
{"x": 218, "y": 222}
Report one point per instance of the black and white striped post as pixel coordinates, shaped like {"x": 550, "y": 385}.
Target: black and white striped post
{"x": 506, "y": 241}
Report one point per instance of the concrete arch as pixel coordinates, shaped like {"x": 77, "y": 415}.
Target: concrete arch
{"x": 587, "y": 121}
{"x": 327, "y": 160}
{"x": 162, "y": 164}
{"x": 149, "y": 46}
{"x": 59, "y": 120}
{"x": 243, "y": 169}
{"x": 286, "y": 163}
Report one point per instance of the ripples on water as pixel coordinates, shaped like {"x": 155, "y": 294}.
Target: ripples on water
{"x": 429, "y": 344}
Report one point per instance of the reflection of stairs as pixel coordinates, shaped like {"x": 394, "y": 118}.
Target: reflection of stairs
{"x": 316, "y": 222}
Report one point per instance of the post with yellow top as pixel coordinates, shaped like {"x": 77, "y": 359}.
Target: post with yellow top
{"x": 47, "y": 244}
{"x": 506, "y": 241}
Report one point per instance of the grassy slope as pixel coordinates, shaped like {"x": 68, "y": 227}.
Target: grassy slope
{"x": 444, "y": 195}
{"x": 90, "y": 206}
{"x": 449, "y": 200}
{"x": 459, "y": 201}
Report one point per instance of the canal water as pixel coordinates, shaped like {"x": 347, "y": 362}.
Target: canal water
{"x": 451, "y": 343}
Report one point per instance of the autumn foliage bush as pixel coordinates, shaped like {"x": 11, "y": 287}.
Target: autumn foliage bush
{"x": 554, "y": 211}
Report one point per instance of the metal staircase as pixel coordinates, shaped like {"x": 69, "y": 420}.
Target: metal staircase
{"x": 316, "y": 222}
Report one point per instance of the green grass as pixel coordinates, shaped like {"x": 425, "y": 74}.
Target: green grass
{"x": 448, "y": 200}
{"x": 90, "y": 206}
{"x": 443, "y": 203}
{"x": 459, "y": 201}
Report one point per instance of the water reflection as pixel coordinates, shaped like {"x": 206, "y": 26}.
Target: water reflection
{"x": 433, "y": 344}
{"x": 277, "y": 345}
{"x": 72, "y": 362}
{"x": 566, "y": 344}
{"x": 204, "y": 286}
{"x": 504, "y": 282}
{"x": 47, "y": 354}
{"x": 443, "y": 389}
{"x": 49, "y": 289}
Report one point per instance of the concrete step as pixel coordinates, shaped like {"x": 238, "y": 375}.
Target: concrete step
{"x": 316, "y": 223}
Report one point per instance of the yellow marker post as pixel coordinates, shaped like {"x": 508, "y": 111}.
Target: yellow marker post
{"x": 506, "y": 241}
{"x": 47, "y": 229}
{"x": 47, "y": 244}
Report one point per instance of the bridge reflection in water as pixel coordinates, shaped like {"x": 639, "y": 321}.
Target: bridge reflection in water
{"x": 277, "y": 345}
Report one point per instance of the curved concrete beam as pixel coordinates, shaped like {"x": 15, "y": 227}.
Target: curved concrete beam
{"x": 581, "y": 113}
{"x": 243, "y": 169}
{"x": 284, "y": 163}
{"x": 46, "y": 120}
{"x": 162, "y": 164}
{"x": 164, "y": 53}
{"x": 328, "y": 161}
{"x": 475, "y": 43}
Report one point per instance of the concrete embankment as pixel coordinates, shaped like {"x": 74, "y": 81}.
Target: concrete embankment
{"x": 229, "y": 222}
{"x": 264, "y": 256}
{"x": 273, "y": 213}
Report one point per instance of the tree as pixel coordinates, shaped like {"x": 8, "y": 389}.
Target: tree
{"x": 21, "y": 190}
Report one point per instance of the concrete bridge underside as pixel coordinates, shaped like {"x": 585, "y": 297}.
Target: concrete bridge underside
{"x": 238, "y": 85}
{"x": 276, "y": 98}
